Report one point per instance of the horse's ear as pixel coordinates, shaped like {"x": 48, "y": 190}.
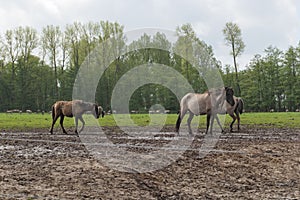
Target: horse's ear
{"x": 229, "y": 88}
{"x": 209, "y": 92}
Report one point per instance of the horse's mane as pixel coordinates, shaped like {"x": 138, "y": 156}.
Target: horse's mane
{"x": 213, "y": 90}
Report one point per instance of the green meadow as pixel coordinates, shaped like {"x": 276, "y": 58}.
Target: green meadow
{"x": 32, "y": 122}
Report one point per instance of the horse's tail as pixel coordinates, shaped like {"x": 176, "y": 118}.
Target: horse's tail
{"x": 178, "y": 122}
{"x": 182, "y": 111}
{"x": 53, "y": 111}
{"x": 240, "y": 106}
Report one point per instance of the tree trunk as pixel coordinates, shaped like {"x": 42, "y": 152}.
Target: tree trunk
{"x": 236, "y": 70}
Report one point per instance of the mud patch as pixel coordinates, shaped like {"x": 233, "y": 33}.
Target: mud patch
{"x": 256, "y": 164}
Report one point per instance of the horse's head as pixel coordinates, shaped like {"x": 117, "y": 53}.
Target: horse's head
{"x": 229, "y": 96}
{"x": 100, "y": 111}
{"x": 96, "y": 111}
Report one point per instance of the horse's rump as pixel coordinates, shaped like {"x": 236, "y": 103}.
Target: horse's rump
{"x": 240, "y": 106}
{"x": 62, "y": 108}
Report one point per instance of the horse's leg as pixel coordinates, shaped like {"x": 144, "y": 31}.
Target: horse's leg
{"x": 238, "y": 118}
{"x": 179, "y": 119}
{"x": 233, "y": 120}
{"x": 178, "y": 122}
{"x": 211, "y": 123}
{"x": 207, "y": 122}
{"x": 53, "y": 122}
{"x": 189, "y": 122}
{"x": 218, "y": 120}
{"x": 76, "y": 125}
{"x": 62, "y": 123}
{"x": 83, "y": 123}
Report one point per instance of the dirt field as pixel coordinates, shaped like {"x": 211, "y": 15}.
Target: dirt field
{"x": 253, "y": 164}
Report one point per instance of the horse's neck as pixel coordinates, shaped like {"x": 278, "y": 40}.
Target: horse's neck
{"x": 87, "y": 106}
{"x": 218, "y": 100}
{"x": 221, "y": 99}
{"x": 81, "y": 107}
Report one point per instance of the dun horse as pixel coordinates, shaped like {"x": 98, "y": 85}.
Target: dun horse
{"x": 74, "y": 108}
{"x": 234, "y": 111}
{"x": 204, "y": 104}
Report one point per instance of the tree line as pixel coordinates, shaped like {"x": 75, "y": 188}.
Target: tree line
{"x": 39, "y": 68}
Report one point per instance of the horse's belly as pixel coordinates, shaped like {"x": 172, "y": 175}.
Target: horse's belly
{"x": 68, "y": 113}
{"x": 197, "y": 109}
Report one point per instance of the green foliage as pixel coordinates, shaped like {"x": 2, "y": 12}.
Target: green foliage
{"x": 37, "y": 69}
{"x": 271, "y": 81}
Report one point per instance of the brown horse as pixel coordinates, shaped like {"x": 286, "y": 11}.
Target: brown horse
{"x": 204, "y": 104}
{"x": 74, "y": 108}
{"x": 234, "y": 111}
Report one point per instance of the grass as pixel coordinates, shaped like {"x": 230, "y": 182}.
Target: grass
{"x": 268, "y": 120}
{"x": 27, "y": 122}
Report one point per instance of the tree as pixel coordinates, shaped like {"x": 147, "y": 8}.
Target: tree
{"x": 11, "y": 46}
{"x": 233, "y": 38}
{"x": 273, "y": 62}
{"x": 51, "y": 41}
{"x": 289, "y": 78}
{"x": 186, "y": 37}
{"x": 198, "y": 63}
{"x": 28, "y": 42}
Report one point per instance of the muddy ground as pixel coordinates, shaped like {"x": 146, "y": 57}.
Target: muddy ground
{"x": 255, "y": 164}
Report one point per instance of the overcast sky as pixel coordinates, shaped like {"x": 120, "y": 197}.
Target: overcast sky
{"x": 263, "y": 22}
